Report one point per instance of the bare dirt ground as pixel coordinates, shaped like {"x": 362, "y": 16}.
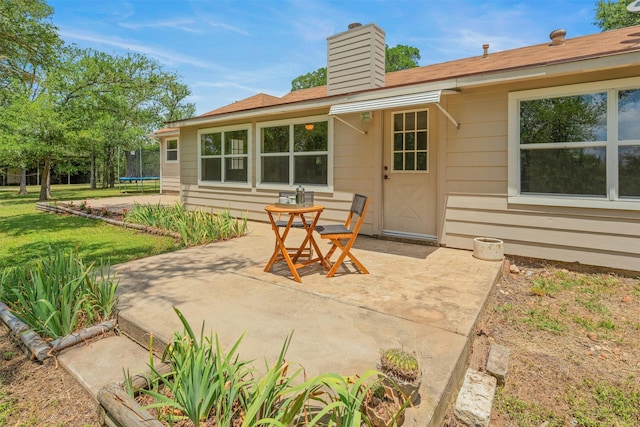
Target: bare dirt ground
{"x": 33, "y": 394}
{"x": 574, "y": 338}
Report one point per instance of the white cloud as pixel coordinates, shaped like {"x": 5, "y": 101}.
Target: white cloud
{"x": 162, "y": 55}
{"x": 187, "y": 25}
{"x": 234, "y": 29}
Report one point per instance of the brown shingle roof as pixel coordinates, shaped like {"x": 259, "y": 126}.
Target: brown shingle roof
{"x": 255, "y": 101}
{"x": 579, "y": 48}
{"x": 167, "y": 131}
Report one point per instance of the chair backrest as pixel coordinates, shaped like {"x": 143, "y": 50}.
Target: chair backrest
{"x": 358, "y": 207}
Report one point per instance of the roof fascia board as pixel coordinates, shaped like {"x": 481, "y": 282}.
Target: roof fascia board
{"x": 257, "y": 112}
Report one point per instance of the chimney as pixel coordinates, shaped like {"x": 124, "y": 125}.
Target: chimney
{"x": 356, "y": 59}
{"x": 557, "y": 37}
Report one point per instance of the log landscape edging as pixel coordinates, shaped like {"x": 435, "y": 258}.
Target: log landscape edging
{"x": 117, "y": 409}
{"x": 57, "y": 208}
{"x": 39, "y": 348}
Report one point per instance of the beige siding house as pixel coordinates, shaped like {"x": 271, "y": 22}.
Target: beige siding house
{"x": 169, "y": 139}
{"x": 537, "y": 146}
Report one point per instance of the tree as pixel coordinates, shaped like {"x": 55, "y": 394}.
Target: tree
{"x": 401, "y": 57}
{"x": 28, "y": 41}
{"x": 397, "y": 58}
{"x": 311, "y": 79}
{"x": 28, "y": 46}
{"x": 611, "y": 15}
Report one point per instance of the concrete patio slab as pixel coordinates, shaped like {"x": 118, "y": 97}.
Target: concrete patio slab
{"x": 422, "y": 298}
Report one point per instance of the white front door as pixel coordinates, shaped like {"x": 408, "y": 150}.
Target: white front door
{"x": 409, "y": 185}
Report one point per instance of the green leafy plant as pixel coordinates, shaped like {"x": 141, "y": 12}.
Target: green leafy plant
{"x": 206, "y": 382}
{"x": 60, "y": 294}
{"x": 203, "y": 377}
{"x": 344, "y": 401}
{"x": 194, "y": 226}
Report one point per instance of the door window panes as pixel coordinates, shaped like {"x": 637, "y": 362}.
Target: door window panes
{"x": 410, "y": 141}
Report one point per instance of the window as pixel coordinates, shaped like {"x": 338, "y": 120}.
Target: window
{"x": 172, "y": 150}
{"x": 578, "y": 143}
{"x": 295, "y": 152}
{"x": 411, "y": 141}
{"x": 224, "y": 155}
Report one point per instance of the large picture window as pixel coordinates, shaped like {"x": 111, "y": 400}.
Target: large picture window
{"x": 295, "y": 152}
{"x": 411, "y": 141}
{"x": 580, "y": 142}
{"x": 224, "y": 155}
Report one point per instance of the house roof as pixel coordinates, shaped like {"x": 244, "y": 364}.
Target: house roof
{"x": 576, "y": 49}
{"x": 166, "y": 132}
{"x": 255, "y": 101}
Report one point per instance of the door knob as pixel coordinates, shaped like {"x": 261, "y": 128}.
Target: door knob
{"x": 386, "y": 176}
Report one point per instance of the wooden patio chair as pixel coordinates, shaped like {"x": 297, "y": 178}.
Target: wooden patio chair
{"x": 337, "y": 233}
{"x": 308, "y": 197}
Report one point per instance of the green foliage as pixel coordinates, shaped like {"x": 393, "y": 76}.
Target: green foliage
{"x": 401, "y": 57}
{"x": 195, "y": 227}
{"x": 60, "y": 294}
{"x": 203, "y": 377}
{"x": 399, "y": 364}
{"x": 346, "y": 396}
{"x": 28, "y": 40}
{"x": 611, "y": 15}
{"x": 309, "y": 80}
{"x": 205, "y": 381}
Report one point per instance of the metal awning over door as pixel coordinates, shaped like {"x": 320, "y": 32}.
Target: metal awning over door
{"x": 400, "y": 101}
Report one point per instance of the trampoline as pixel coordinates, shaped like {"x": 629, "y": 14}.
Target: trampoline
{"x": 140, "y": 166}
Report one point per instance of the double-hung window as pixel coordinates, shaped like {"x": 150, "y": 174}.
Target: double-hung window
{"x": 577, "y": 145}
{"x": 223, "y": 155}
{"x": 171, "y": 150}
{"x": 295, "y": 152}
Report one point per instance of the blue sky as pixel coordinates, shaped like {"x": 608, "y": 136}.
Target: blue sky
{"x": 229, "y": 50}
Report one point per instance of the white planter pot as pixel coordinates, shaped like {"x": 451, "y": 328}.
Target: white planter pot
{"x": 488, "y": 249}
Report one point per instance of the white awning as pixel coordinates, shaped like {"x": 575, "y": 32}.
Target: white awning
{"x": 400, "y": 101}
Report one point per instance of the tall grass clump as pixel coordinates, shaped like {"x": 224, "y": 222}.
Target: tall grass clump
{"x": 195, "y": 227}
{"x": 60, "y": 294}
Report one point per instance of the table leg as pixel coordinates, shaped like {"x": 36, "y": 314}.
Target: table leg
{"x": 281, "y": 248}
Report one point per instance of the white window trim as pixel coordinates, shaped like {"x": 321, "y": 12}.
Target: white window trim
{"x": 232, "y": 184}
{"x": 413, "y": 110}
{"x": 177, "y": 150}
{"x": 295, "y": 121}
{"x": 608, "y": 202}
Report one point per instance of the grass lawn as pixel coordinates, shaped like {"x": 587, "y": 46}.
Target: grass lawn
{"x": 26, "y": 233}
